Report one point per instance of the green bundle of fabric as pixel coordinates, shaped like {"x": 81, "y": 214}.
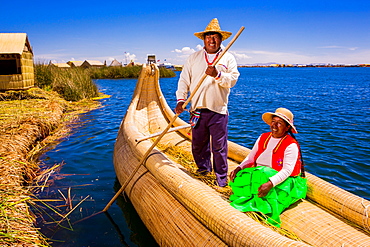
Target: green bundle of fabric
{"x": 245, "y": 193}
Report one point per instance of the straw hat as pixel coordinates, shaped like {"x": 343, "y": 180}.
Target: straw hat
{"x": 283, "y": 113}
{"x": 213, "y": 26}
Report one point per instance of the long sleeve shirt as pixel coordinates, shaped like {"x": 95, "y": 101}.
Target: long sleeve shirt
{"x": 213, "y": 94}
{"x": 265, "y": 159}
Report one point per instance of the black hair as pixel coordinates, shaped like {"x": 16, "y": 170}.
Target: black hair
{"x": 211, "y": 33}
{"x": 303, "y": 174}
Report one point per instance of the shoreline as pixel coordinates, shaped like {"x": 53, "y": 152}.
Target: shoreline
{"x": 31, "y": 120}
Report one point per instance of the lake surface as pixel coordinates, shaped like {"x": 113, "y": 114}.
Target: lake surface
{"x": 332, "y": 115}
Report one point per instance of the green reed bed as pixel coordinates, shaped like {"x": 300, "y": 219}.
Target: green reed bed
{"x": 163, "y": 72}
{"x": 73, "y": 84}
{"x": 124, "y": 72}
{"x": 114, "y": 72}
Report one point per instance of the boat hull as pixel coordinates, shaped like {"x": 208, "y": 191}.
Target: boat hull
{"x": 180, "y": 210}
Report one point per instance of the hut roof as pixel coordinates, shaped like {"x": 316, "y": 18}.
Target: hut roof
{"x": 115, "y": 63}
{"x": 75, "y": 63}
{"x": 94, "y": 62}
{"x": 14, "y": 43}
{"x": 61, "y": 65}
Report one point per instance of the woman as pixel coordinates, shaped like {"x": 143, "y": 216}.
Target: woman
{"x": 271, "y": 177}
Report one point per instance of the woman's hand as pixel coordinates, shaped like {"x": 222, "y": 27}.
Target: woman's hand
{"x": 264, "y": 189}
{"x": 233, "y": 173}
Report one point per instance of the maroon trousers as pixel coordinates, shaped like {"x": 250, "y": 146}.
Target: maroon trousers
{"x": 210, "y": 135}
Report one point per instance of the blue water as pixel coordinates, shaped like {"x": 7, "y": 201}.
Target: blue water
{"x": 332, "y": 115}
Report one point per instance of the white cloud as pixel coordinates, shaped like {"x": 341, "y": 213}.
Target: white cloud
{"x": 184, "y": 51}
{"x": 338, "y": 47}
{"x": 239, "y": 56}
{"x": 130, "y": 57}
{"x": 199, "y": 47}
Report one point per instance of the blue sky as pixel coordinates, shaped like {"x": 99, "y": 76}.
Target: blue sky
{"x": 288, "y": 32}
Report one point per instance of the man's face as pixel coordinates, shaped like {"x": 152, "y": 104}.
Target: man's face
{"x": 212, "y": 42}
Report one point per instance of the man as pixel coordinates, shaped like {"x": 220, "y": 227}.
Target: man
{"x": 209, "y": 114}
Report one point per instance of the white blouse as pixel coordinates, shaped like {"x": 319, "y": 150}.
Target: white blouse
{"x": 265, "y": 159}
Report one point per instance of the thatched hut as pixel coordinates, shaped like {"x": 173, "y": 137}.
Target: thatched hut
{"x": 115, "y": 63}
{"x": 75, "y": 64}
{"x": 60, "y": 65}
{"x": 16, "y": 62}
{"x": 92, "y": 64}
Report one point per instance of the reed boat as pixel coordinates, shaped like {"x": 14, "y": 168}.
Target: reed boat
{"x": 179, "y": 209}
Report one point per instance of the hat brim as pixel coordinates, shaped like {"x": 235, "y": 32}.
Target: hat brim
{"x": 267, "y": 118}
{"x": 224, "y": 34}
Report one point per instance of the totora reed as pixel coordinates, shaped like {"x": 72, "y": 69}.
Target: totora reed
{"x": 30, "y": 120}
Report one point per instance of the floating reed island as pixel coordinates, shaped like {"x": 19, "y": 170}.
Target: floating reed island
{"x": 27, "y": 117}
{"x": 30, "y": 120}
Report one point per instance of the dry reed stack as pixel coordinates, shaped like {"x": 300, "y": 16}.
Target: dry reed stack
{"x": 25, "y": 122}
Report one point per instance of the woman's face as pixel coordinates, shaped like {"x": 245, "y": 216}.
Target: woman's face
{"x": 278, "y": 127}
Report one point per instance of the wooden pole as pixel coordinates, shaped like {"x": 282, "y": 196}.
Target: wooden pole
{"x": 170, "y": 123}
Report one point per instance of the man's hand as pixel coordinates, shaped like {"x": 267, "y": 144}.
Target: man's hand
{"x": 179, "y": 108}
{"x": 211, "y": 71}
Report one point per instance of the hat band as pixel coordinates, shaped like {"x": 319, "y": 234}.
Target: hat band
{"x": 289, "y": 120}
